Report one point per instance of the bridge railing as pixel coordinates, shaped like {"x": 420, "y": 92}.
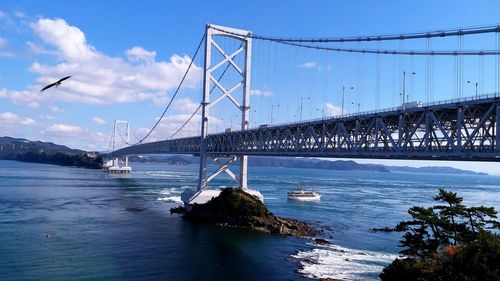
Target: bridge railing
{"x": 385, "y": 110}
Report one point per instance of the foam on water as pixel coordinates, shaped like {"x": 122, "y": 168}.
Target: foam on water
{"x": 171, "y": 199}
{"x": 340, "y": 263}
{"x": 173, "y": 190}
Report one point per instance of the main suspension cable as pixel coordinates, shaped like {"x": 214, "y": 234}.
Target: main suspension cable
{"x": 176, "y": 91}
{"x": 197, "y": 109}
{"x": 457, "y": 32}
{"x": 416, "y": 35}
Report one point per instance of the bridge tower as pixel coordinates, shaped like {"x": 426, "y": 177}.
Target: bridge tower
{"x": 121, "y": 135}
{"x": 230, "y": 91}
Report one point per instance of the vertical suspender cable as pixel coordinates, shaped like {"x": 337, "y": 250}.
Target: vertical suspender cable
{"x": 412, "y": 92}
{"x": 481, "y": 75}
{"x": 395, "y": 78}
{"x": 401, "y": 69}
{"x": 497, "y": 62}
{"x": 427, "y": 70}
{"x": 431, "y": 83}
{"x": 326, "y": 70}
{"x": 461, "y": 57}
{"x": 359, "y": 77}
{"x": 377, "y": 82}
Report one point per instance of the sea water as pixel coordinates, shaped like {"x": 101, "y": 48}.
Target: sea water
{"x": 63, "y": 223}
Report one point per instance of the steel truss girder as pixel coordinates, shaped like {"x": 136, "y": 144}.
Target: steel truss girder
{"x": 458, "y": 131}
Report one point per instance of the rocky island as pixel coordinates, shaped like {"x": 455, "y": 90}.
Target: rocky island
{"x": 236, "y": 208}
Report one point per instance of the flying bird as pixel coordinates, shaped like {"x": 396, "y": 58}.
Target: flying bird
{"x": 55, "y": 83}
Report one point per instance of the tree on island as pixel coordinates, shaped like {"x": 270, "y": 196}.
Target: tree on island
{"x": 449, "y": 241}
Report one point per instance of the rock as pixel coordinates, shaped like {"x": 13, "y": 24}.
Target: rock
{"x": 178, "y": 210}
{"x": 236, "y": 208}
{"x": 321, "y": 241}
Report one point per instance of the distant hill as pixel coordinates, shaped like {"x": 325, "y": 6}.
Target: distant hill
{"x": 170, "y": 159}
{"x": 285, "y": 162}
{"x": 433, "y": 170}
{"x": 310, "y": 163}
{"x": 46, "y": 152}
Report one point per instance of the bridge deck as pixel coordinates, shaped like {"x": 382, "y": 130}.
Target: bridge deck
{"x": 456, "y": 130}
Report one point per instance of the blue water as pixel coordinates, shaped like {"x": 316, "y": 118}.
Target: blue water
{"x": 61, "y": 223}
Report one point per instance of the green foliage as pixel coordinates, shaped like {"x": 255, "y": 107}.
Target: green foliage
{"x": 448, "y": 241}
{"x": 476, "y": 261}
{"x": 407, "y": 269}
{"x": 63, "y": 159}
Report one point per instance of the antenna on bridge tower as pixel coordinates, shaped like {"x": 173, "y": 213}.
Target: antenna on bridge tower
{"x": 213, "y": 32}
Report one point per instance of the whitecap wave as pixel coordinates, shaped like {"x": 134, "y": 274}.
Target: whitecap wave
{"x": 169, "y": 174}
{"x": 173, "y": 190}
{"x": 171, "y": 199}
{"x": 340, "y": 263}
{"x": 170, "y": 191}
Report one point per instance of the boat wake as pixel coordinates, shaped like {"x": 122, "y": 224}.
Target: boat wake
{"x": 340, "y": 263}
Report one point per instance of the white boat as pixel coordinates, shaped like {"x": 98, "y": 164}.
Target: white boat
{"x": 304, "y": 195}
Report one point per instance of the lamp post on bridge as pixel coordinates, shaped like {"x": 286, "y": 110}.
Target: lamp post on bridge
{"x": 404, "y": 87}
{"x": 343, "y": 93}
{"x": 359, "y": 104}
{"x": 301, "y": 101}
{"x": 475, "y": 83}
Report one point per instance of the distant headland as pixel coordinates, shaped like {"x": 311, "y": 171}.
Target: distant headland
{"x": 24, "y": 150}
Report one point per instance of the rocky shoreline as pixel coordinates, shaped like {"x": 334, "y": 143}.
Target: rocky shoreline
{"x": 236, "y": 208}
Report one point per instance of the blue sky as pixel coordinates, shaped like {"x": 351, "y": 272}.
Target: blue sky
{"x": 126, "y": 58}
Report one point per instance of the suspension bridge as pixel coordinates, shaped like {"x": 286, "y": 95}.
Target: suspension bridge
{"x": 460, "y": 128}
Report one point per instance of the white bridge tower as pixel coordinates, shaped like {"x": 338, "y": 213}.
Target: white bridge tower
{"x": 239, "y": 97}
{"x": 120, "y": 138}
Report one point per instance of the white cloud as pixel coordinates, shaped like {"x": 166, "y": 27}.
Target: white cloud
{"x": 96, "y": 77}
{"x": 46, "y": 117}
{"x": 10, "y": 119}
{"x": 65, "y": 129}
{"x": 139, "y": 54}
{"x": 101, "y": 79}
{"x": 170, "y": 124}
{"x": 23, "y": 97}
{"x": 68, "y": 40}
{"x": 261, "y": 93}
{"x": 38, "y": 49}
{"x": 309, "y": 65}
{"x": 73, "y": 138}
{"x": 27, "y": 121}
{"x": 98, "y": 121}
{"x": 3, "y": 51}
{"x": 332, "y": 109}
{"x": 54, "y": 108}
{"x": 186, "y": 105}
